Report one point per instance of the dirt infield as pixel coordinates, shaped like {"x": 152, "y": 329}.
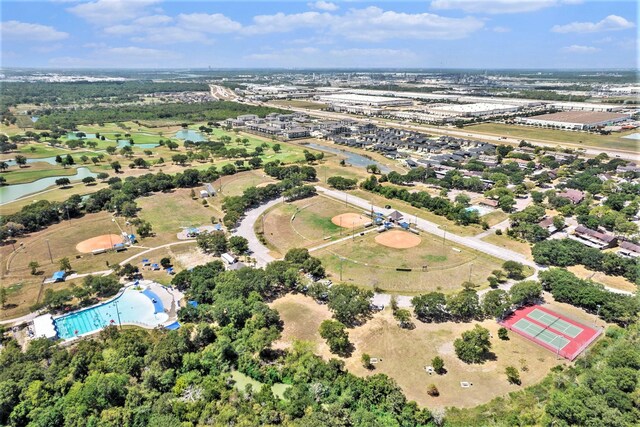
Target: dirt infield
{"x": 349, "y": 220}
{"x": 398, "y": 239}
{"x": 106, "y": 241}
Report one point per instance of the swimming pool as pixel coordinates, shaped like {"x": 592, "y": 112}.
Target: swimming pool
{"x": 131, "y": 307}
{"x": 482, "y": 210}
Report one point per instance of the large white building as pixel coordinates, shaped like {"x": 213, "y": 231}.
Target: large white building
{"x": 577, "y": 120}
{"x": 373, "y": 101}
{"x": 478, "y": 109}
{"x": 584, "y": 106}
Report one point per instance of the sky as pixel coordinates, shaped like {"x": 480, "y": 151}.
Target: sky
{"x": 482, "y": 34}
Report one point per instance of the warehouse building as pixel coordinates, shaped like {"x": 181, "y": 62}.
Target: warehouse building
{"x": 576, "y": 120}
{"x": 373, "y": 101}
{"x": 478, "y": 109}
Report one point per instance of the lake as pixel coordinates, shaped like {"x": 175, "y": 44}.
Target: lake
{"x": 50, "y": 160}
{"x": 125, "y": 143}
{"x": 9, "y": 193}
{"x": 72, "y": 136}
{"x": 190, "y": 135}
{"x": 351, "y": 158}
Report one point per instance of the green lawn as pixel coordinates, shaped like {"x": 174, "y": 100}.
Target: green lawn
{"x": 614, "y": 140}
{"x": 242, "y": 380}
{"x": 34, "y": 173}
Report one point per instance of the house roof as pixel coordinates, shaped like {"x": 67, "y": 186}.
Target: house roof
{"x": 395, "y": 215}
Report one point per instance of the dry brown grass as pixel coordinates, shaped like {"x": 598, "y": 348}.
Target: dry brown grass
{"x": 405, "y": 353}
{"x": 616, "y": 282}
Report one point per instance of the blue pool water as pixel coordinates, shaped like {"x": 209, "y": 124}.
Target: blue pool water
{"x": 132, "y": 307}
{"x": 191, "y": 135}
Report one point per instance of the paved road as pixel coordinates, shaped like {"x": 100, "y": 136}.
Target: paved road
{"x": 245, "y": 229}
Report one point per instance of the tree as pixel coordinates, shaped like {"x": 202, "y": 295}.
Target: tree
{"x": 464, "y": 305}
{"x": 111, "y": 150}
{"x": 503, "y": 334}
{"x": 3, "y": 297}
{"x": 336, "y": 336}
{"x": 239, "y": 245}
{"x": 129, "y": 271}
{"x": 102, "y": 176}
{"x": 403, "y": 317}
{"x": 473, "y": 346}
{"x": 116, "y": 167}
{"x": 514, "y": 269}
{"x": 144, "y": 229}
{"x": 496, "y": 303}
{"x": 558, "y": 222}
{"x": 430, "y": 307}
{"x": 34, "y": 265}
{"x": 366, "y": 361}
{"x": 84, "y": 158}
{"x": 62, "y": 182}
{"x": 525, "y": 293}
{"x": 20, "y": 160}
{"x": 88, "y": 180}
{"x": 432, "y": 390}
{"x": 373, "y": 169}
{"x": 4, "y": 166}
{"x": 212, "y": 242}
{"x": 276, "y": 148}
{"x": 438, "y": 365}
{"x": 65, "y": 264}
{"x": 349, "y": 304}
{"x": 129, "y": 209}
{"x": 513, "y": 376}
{"x": 165, "y": 262}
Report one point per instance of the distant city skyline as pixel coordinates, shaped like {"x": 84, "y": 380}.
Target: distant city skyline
{"x": 437, "y": 34}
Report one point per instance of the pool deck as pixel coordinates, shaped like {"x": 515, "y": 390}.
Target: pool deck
{"x": 168, "y": 299}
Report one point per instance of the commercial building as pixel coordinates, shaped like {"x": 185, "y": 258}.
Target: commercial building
{"x": 584, "y": 106}
{"x": 478, "y": 109}
{"x": 577, "y": 120}
{"x": 373, "y": 101}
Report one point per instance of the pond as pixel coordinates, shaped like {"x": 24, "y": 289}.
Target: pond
{"x": 351, "y": 158}
{"x": 34, "y": 118}
{"x": 72, "y": 136}
{"x": 50, "y": 160}
{"x": 125, "y": 143}
{"x": 191, "y": 135}
{"x": 482, "y": 210}
{"x": 9, "y": 193}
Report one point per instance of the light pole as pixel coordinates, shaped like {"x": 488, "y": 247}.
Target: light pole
{"x": 444, "y": 235}
{"x": 118, "y": 313}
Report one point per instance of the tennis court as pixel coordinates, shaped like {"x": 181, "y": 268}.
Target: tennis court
{"x": 554, "y": 340}
{"x": 553, "y": 331}
{"x": 557, "y": 323}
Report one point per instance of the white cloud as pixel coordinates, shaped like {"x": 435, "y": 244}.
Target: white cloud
{"x": 324, "y": 5}
{"x": 610, "y": 23}
{"x": 501, "y": 30}
{"x": 104, "y": 12}
{"x": 213, "y": 23}
{"x": 498, "y": 6}
{"x": 16, "y": 30}
{"x": 574, "y": 48}
{"x": 169, "y": 35}
{"x": 120, "y": 57}
{"x": 153, "y": 20}
{"x": 370, "y": 24}
{"x": 139, "y": 53}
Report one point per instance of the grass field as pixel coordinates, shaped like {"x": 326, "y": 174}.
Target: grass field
{"x": 169, "y": 212}
{"x": 507, "y": 242}
{"x": 35, "y": 171}
{"x": 311, "y": 227}
{"x": 54, "y": 195}
{"x": 366, "y": 263}
{"x": 299, "y": 104}
{"x": 614, "y": 140}
{"x": 405, "y": 353}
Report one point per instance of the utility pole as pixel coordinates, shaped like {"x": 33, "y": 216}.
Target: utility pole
{"x": 49, "y": 248}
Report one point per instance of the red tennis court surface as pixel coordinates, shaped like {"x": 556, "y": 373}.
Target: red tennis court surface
{"x": 551, "y": 330}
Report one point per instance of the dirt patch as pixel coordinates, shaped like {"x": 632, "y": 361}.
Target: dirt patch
{"x": 263, "y": 184}
{"x": 106, "y": 241}
{"x": 350, "y": 220}
{"x": 398, "y": 239}
{"x": 193, "y": 258}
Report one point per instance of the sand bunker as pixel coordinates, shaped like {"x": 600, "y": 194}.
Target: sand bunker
{"x": 398, "y": 239}
{"x": 106, "y": 241}
{"x": 350, "y": 220}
